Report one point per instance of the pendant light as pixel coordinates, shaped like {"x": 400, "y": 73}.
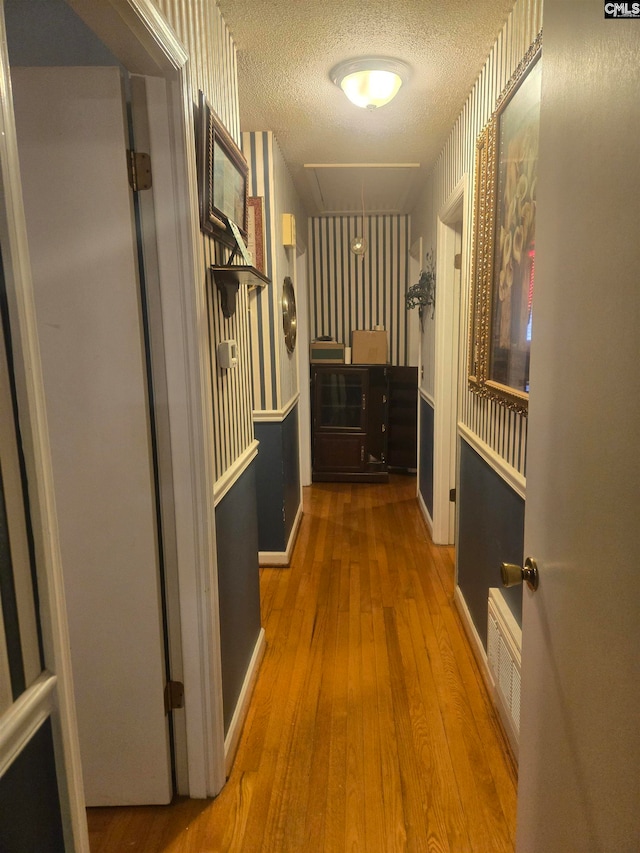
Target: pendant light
{"x": 359, "y": 244}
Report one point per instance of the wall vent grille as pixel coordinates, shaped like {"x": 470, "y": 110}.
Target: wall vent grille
{"x": 504, "y": 642}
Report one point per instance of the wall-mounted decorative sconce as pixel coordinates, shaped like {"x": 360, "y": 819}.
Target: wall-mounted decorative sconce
{"x": 288, "y": 229}
{"x": 371, "y": 81}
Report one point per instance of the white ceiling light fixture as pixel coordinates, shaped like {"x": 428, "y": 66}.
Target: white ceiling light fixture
{"x": 372, "y": 81}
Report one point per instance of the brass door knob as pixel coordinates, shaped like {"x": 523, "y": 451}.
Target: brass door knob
{"x": 513, "y": 574}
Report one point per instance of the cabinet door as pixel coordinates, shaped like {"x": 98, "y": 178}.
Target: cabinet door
{"x": 338, "y": 451}
{"x": 403, "y": 417}
{"x": 340, "y": 399}
{"x": 377, "y": 408}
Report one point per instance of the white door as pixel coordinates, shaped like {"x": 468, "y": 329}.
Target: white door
{"x": 72, "y": 140}
{"x": 580, "y": 726}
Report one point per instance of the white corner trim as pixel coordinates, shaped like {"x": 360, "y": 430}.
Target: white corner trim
{"x": 282, "y": 558}
{"x": 275, "y": 415}
{"x": 242, "y": 706}
{"x": 453, "y": 202}
{"x": 234, "y": 472}
{"x": 24, "y": 717}
{"x": 428, "y": 398}
{"x": 425, "y": 513}
{"x": 508, "y": 473}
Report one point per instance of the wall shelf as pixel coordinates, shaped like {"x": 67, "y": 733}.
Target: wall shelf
{"x": 229, "y": 278}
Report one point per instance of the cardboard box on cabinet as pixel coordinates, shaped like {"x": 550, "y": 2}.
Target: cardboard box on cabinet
{"x": 369, "y": 347}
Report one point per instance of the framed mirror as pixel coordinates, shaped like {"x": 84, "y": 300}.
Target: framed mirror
{"x": 504, "y": 239}
{"x": 289, "y": 321}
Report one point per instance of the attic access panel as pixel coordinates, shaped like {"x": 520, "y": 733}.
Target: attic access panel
{"x": 345, "y": 188}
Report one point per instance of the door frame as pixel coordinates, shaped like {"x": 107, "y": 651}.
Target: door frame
{"x": 448, "y": 357}
{"x": 138, "y": 35}
{"x": 301, "y": 284}
{"x": 51, "y": 695}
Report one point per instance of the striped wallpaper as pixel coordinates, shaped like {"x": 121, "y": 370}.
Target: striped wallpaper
{"x": 504, "y": 431}
{"x": 348, "y": 292}
{"x": 200, "y": 27}
{"x": 258, "y": 149}
{"x": 275, "y": 375}
{"x": 286, "y": 200}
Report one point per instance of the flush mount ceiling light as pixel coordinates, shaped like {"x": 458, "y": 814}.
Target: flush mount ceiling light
{"x": 372, "y": 81}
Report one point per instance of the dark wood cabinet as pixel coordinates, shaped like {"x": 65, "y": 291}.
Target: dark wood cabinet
{"x": 349, "y": 422}
{"x": 403, "y": 418}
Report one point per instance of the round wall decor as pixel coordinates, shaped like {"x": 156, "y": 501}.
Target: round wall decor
{"x": 289, "y": 322}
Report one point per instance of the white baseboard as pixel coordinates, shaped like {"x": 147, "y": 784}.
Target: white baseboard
{"x": 281, "y": 559}
{"x": 481, "y": 659}
{"x": 425, "y": 513}
{"x": 474, "y": 639}
{"x": 242, "y": 707}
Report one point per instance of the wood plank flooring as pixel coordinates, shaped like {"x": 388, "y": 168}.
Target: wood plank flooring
{"x": 370, "y": 728}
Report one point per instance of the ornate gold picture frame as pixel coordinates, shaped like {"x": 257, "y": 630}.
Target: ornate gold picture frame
{"x": 504, "y": 240}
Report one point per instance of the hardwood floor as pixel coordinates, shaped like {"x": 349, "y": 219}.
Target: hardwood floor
{"x": 370, "y": 728}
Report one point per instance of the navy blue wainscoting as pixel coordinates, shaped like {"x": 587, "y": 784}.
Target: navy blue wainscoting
{"x": 491, "y": 531}
{"x": 278, "y": 481}
{"x": 426, "y": 454}
{"x": 238, "y": 585}
{"x": 29, "y": 802}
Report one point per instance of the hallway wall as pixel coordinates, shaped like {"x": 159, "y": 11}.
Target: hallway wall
{"x": 349, "y": 292}
{"x": 213, "y": 66}
{"x": 276, "y": 387}
{"x": 202, "y": 30}
{"x": 274, "y": 369}
{"x": 502, "y": 431}
{"x": 498, "y": 434}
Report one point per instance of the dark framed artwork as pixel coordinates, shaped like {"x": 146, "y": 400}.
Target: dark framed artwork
{"x": 504, "y": 238}
{"x": 222, "y": 178}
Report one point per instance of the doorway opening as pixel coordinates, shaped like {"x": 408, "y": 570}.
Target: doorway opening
{"x": 451, "y": 272}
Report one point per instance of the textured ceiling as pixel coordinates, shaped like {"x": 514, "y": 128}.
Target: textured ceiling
{"x": 285, "y": 53}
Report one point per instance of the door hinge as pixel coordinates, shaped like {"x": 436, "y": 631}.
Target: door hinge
{"x": 139, "y": 168}
{"x": 452, "y": 495}
{"x": 457, "y": 262}
{"x": 173, "y": 696}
